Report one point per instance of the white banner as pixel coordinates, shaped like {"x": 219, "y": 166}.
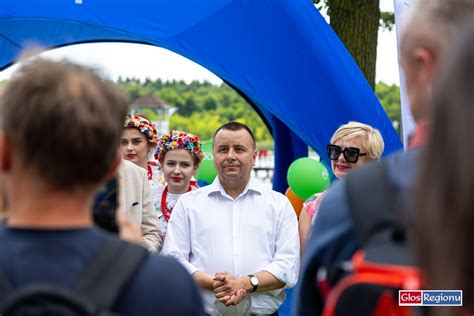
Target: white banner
{"x": 408, "y": 125}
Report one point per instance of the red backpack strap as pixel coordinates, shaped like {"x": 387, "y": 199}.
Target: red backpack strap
{"x": 370, "y": 274}
{"x": 387, "y": 306}
{"x": 402, "y": 276}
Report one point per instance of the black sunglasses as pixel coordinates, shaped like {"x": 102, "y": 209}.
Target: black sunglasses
{"x": 351, "y": 154}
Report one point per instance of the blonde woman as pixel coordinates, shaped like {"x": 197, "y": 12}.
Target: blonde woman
{"x": 351, "y": 146}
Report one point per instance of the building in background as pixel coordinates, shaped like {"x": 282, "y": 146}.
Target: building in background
{"x": 161, "y": 110}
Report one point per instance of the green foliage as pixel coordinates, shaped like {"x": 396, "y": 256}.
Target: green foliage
{"x": 389, "y": 97}
{"x": 201, "y": 106}
{"x": 204, "y": 124}
{"x": 267, "y": 144}
{"x": 188, "y": 108}
{"x": 387, "y": 20}
{"x": 150, "y": 114}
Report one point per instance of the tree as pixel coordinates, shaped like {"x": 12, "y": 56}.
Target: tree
{"x": 356, "y": 22}
{"x": 188, "y": 108}
{"x": 389, "y": 97}
{"x": 210, "y": 104}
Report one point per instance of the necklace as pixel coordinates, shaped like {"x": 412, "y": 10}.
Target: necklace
{"x": 164, "y": 207}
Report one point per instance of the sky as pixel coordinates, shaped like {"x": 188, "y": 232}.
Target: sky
{"x": 143, "y": 61}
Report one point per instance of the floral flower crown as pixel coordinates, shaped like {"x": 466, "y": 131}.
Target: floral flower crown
{"x": 179, "y": 140}
{"x": 144, "y": 125}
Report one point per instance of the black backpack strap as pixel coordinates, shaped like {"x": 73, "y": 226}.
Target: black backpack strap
{"x": 371, "y": 198}
{"x": 25, "y": 300}
{"x": 375, "y": 211}
{"x": 113, "y": 267}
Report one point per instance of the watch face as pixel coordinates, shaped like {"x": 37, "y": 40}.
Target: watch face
{"x": 254, "y": 281}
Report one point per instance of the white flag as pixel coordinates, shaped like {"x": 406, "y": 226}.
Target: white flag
{"x": 408, "y": 124}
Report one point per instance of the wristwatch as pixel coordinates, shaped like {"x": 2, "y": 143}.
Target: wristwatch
{"x": 254, "y": 282}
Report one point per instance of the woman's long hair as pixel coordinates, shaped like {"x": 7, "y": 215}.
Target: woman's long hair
{"x": 444, "y": 195}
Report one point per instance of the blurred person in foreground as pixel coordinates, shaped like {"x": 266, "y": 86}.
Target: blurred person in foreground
{"x": 59, "y": 131}
{"x": 447, "y": 204}
{"x": 430, "y": 28}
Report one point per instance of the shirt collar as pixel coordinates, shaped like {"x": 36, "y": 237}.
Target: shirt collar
{"x": 252, "y": 185}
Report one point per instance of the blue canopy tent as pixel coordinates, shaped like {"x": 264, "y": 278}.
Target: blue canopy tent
{"x": 279, "y": 54}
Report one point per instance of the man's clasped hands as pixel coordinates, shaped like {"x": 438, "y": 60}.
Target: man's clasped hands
{"x": 229, "y": 289}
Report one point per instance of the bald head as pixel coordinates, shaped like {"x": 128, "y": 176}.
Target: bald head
{"x": 435, "y": 23}
{"x": 430, "y": 28}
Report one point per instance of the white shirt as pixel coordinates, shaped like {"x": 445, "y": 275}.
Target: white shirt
{"x": 171, "y": 201}
{"x": 210, "y": 231}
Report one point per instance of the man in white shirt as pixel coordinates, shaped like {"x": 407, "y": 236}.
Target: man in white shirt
{"x": 238, "y": 239}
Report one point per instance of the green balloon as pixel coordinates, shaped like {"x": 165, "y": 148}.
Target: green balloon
{"x": 307, "y": 176}
{"x": 207, "y": 150}
{"x": 207, "y": 172}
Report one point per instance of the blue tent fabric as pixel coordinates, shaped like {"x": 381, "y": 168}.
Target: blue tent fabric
{"x": 281, "y": 55}
{"x": 288, "y": 148}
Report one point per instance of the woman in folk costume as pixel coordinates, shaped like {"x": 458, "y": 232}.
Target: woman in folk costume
{"x": 179, "y": 154}
{"x": 139, "y": 138}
